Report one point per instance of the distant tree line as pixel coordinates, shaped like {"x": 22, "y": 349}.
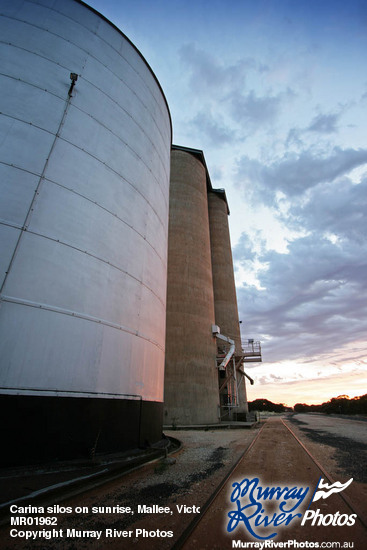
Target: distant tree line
{"x": 337, "y": 405}
{"x": 265, "y": 405}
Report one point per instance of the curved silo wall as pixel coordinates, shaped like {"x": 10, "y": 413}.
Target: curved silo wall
{"x": 225, "y": 298}
{"x": 191, "y": 379}
{"x": 83, "y": 232}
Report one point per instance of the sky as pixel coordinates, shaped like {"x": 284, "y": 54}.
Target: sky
{"x": 275, "y": 94}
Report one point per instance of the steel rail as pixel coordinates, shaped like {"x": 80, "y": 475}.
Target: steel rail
{"x": 195, "y": 522}
{"x": 203, "y": 509}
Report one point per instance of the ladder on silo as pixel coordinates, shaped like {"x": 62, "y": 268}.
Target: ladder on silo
{"x": 228, "y": 386}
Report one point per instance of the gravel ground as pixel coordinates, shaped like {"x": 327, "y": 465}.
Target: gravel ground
{"x": 345, "y": 440}
{"x": 338, "y": 425}
{"x": 198, "y": 468}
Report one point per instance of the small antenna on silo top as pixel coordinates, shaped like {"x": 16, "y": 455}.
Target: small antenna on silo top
{"x": 73, "y": 78}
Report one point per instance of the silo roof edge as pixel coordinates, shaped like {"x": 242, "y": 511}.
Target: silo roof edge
{"x": 199, "y": 154}
{"x": 136, "y": 49}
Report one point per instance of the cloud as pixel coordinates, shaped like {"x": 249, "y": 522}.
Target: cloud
{"x": 222, "y": 88}
{"x": 324, "y": 124}
{"x": 294, "y": 173}
{"x": 210, "y": 76}
{"x": 336, "y": 209}
{"x": 311, "y": 303}
{"x": 275, "y": 378}
{"x": 253, "y": 109}
{"x": 217, "y": 132}
{"x": 309, "y": 300}
{"x": 244, "y": 251}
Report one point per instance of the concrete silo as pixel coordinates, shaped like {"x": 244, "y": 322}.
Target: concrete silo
{"x": 84, "y": 159}
{"x": 225, "y": 303}
{"x": 191, "y": 378}
{"x": 204, "y": 376}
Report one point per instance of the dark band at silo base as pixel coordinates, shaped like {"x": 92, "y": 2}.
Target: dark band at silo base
{"x": 41, "y": 428}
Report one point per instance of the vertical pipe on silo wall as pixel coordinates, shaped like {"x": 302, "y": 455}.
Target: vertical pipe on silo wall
{"x": 84, "y": 180}
{"x": 191, "y": 382}
{"x": 225, "y": 298}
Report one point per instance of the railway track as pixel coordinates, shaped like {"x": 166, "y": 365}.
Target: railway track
{"x": 276, "y": 456}
{"x": 279, "y": 454}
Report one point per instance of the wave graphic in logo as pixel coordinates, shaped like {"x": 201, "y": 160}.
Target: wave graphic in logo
{"x": 324, "y": 490}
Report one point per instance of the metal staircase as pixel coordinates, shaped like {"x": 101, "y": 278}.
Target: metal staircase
{"x": 230, "y": 373}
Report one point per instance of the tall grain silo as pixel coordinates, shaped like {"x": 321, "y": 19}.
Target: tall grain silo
{"x": 225, "y": 298}
{"x": 84, "y": 159}
{"x": 191, "y": 376}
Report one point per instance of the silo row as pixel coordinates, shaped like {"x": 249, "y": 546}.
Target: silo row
{"x": 86, "y": 219}
{"x": 200, "y": 295}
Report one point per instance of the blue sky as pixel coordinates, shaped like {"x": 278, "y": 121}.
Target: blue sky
{"x": 275, "y": 94}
